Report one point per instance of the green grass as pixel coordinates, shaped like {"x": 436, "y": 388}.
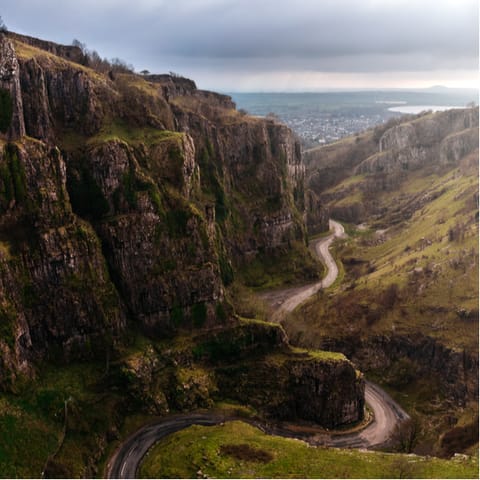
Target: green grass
{"x": 32, "y": 420}
{"x": 319, "y": 354}
{"x": 238, "y": 450}
{"x": 431, "y": 257}
{"x": 26, "y": 440}
{"x": 295, "y": 265}
{"x": 118, "y": 130}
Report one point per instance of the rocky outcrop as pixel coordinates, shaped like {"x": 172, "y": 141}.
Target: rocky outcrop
{"x": 428, "y": 140}
{"x": 403, "y": 358}
{"x": 10, "y": 82}
{"x": 68, "y": 52}
{"x": 250, "y": 363}
{"x": 456, "y": 146}
{"x": 164, "y": 187}
{"x": 288, "y": 384}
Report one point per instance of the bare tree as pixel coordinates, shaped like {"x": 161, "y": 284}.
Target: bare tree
{"x": 401, "y": 468}
{"x": 80, "y": 45}
{"x": 407, "y": 435}
{"x": 3, "y": 27}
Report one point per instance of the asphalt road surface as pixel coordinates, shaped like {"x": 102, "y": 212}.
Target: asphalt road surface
{"x": 286, "y": 300}
{"x": 127, "y": 458}
{"x": 387, "y": 414}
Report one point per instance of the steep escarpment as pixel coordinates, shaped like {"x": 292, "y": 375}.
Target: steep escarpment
{"x": 128, "y": 206}
{"x": 167, "y": 187}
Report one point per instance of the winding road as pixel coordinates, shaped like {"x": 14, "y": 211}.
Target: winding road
{"x": 387, "y": 414}
{"x": 286, "y": 300}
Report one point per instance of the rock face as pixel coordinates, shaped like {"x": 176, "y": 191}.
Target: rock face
{"x": 128, "y": 197}
{"x": 433, "y": 139}
{"x": 55, "y": 290}
{"x": 455, "y": 371}
{"x": 10, "y": 82}
{"x": 294, "y": 387}
{"x": 132, "y": 200}
{"x": 250, "y": 363}
{"x": 287, "y": 384}
{"x": 382, "y": 159}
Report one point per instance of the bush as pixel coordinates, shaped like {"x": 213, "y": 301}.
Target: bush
{"x": 459, "y": 438}
{"x": 6, "y": 108}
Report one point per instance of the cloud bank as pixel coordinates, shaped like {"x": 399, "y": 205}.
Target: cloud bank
{"x": 219, "y": 41}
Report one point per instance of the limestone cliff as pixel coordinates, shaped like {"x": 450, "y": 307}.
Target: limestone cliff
{"x": 128, "y": 197}
{"x": 426, "y": 140}
{"x": 384, "y": 158}
{"x": 250, "y": 363}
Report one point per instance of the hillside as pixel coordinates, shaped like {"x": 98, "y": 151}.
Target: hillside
{"x": 139, "y": 216}
{"x": 406, "y": 311}
{"x": 132, "y": 209}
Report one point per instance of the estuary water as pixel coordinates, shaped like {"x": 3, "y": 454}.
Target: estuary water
{"x": 415, "y": 109}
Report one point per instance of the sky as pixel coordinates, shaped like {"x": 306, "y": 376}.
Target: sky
{"x": 271, "y": 45}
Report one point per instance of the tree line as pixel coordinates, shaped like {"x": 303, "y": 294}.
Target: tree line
{"x": 93, "y": 60}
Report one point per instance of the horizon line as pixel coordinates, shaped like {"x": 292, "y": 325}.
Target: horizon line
{"x": 433, "y": 89}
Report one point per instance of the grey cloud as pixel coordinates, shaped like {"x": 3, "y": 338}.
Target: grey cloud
{"x": 325, "y": 29}
{"x": 263, "y": 35}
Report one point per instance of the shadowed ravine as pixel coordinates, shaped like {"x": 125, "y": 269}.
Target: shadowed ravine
{"x": 386, "y": 412}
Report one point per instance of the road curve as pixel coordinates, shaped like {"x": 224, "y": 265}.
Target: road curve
{"x": 286, "y": 300}
{"x": 127, "y": 458}
{"x": 387, "y": 414}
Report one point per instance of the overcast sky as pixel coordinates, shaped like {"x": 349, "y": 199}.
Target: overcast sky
{"x": 271, "y": 45}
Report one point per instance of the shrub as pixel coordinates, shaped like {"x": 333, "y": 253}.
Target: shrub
{"x": 6, "y": 110}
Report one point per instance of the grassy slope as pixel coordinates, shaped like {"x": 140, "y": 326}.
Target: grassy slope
{"x": 414, "y": 270}
{"x": 431, "y": 259}
{"x": 32, "y": 420}
{"x": 210, "y": 452}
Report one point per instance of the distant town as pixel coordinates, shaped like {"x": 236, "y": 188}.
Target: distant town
{"x": 325, "y": 117}
{"x": 317, "y": 129}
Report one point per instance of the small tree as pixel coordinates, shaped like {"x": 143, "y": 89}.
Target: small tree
{"x": 80, "y": 45}
{"x": 3, "y": 27}
{"x": 406, "y": 435}
{"x": 145, "y": 72}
